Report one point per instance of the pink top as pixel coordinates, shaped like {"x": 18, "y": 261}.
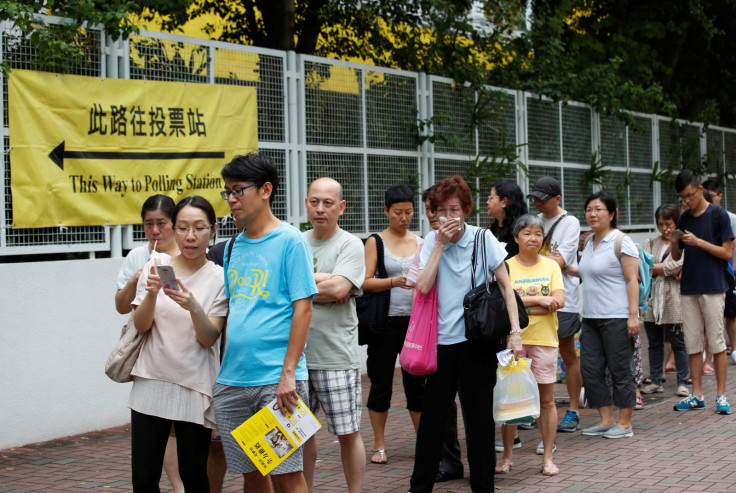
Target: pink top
{"x": 171, "y": 353}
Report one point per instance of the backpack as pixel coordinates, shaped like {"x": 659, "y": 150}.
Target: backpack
{"x": 646, "y": 264}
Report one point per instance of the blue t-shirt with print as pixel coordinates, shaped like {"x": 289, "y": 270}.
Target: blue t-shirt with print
{"x": 263, "y": 277}
{"x": 702, "y": 273}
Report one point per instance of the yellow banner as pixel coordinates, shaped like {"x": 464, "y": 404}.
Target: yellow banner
{"x": 89, "y": 151}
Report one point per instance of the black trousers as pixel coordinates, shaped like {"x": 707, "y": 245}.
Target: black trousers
{"x": 606, "y": 342}
{"x": 149, "y": 435}
{"x": 451, "y": 461}
{"x": 383, "y": 349}
{"x": 469, "y": 368}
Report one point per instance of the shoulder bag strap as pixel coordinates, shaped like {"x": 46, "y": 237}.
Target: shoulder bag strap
{"x": 380, "y": 266}
{"x": 617, "y": 244}
{"x": 230, "y": 246}
{"x": 480, "y": 249}
{"x": 548, "y": 236}
{"x": 473, "y": 259}
{"x": 483, "y": 253}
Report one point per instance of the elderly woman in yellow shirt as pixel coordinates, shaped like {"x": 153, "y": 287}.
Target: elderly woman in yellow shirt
{"x": 538, "y": 280}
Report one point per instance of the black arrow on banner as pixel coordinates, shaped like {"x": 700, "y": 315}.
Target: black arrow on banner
{"x": 59, "y": 154}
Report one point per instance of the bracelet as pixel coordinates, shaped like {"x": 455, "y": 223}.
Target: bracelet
{"x": 391, "y": 281}
{"x": 518, "y": 331}
{"x": 529, "y": 310}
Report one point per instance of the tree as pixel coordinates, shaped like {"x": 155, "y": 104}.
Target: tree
{"x": 660, "y": 56}
{"x": 60, "y": 46}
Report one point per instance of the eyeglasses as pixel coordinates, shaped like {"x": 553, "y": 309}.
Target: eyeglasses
{"x": 197, "y": 230}
{"x": 688, "y": 196}
{"x": 444, "y": 211}
{"x": 596, "y": 211}
{"x": 237, "y": 192}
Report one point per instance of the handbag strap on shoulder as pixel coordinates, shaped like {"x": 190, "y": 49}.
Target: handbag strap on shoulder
{"x": 480, "y": 241}
{"x": 380, "y": 266}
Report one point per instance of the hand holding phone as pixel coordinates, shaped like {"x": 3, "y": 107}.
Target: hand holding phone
{"x": 168, "y": 277}
{"x": 678, "y": 232}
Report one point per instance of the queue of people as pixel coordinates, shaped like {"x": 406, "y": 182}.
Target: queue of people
{"x": 275, "y": 318}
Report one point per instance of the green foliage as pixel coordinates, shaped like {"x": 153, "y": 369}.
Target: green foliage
{"x": 62, "y": 46}
{"x": 597, "y": 173}
{"x": 504, "y": 162}
{"x": 646, "y": 56}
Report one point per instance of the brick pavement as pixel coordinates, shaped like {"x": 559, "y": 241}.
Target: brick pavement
{"x": 671, "y": 451}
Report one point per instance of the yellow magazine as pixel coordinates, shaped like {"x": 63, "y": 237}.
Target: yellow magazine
{"x": 269, "y": 437}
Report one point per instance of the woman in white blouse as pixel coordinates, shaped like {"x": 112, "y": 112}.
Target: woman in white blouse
{"x": 610, "y": 318}
{"x": 179, "y": 361}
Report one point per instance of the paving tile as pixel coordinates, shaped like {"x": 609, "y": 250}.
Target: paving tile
{"x": 670, "y": 452}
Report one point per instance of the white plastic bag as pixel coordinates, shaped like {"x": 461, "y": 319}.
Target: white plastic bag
{"x": 516, "y": 394}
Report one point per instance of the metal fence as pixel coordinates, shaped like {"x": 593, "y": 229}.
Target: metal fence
{"x": 360, "y": 124}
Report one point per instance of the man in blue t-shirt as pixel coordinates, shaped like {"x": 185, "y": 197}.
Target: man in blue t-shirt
{"x": 268, "y": 278}
{"x": 703, "y": 286}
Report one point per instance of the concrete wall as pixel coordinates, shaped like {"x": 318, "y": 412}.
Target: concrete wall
{"x": 58, "y": 325}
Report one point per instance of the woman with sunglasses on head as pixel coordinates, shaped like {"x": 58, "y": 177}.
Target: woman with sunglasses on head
{"x": 179, "y": 361}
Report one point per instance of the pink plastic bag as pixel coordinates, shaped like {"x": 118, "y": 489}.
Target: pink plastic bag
{"x": 419, "y": 354}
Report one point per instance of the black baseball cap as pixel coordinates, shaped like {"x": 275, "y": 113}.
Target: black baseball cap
{"x": 545, "y": 188}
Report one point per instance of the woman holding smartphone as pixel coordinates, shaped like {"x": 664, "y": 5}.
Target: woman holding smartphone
{"x": 156, "y": 213}
{"x": 180, "y": 359}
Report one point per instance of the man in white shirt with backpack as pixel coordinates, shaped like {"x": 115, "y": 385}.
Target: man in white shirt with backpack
{"x": 561, "y": 237}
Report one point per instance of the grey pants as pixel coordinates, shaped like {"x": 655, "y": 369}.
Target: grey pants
{"x": 604, "y": 342}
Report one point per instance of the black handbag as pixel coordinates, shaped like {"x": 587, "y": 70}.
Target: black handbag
{"x": 372, "y": 308}
{"x": 484, "y": 308}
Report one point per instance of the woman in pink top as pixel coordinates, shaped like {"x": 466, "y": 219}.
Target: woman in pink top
{"x": 180, "y": 359}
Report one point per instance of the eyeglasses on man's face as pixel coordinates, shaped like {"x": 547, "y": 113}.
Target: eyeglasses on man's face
{"x": 688, "y": 196}
{"x": 237, "y": 191}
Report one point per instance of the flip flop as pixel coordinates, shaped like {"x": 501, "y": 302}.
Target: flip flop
{"x": 550, "y": 470}
{"x": 504, "y": 468}
{"x": 382, "y": 457}
{"x": 639, "y": 402}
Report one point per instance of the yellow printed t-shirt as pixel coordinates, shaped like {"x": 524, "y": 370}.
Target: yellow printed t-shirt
{"x": 540, "y": 279}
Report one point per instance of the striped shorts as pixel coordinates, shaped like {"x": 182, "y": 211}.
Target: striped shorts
{"x": 340, "y": 395}
{"x": 233, "y": 406}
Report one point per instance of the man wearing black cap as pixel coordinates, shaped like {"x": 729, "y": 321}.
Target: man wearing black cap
{"x": 561, "y": 234}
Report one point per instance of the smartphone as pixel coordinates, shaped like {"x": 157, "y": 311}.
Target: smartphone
{"x": 678, "y": 232}
{"x": 168, "y": 278}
